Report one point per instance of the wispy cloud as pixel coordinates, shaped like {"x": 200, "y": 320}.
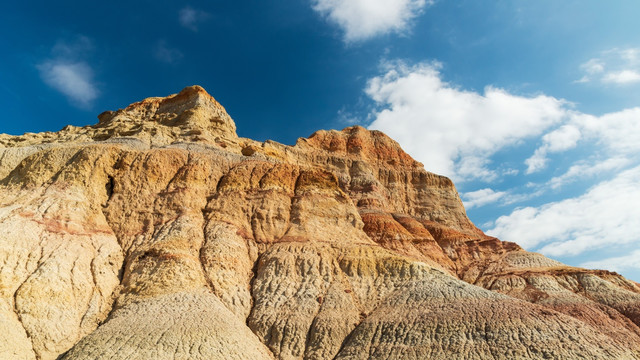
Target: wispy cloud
{"x": 584, "y": 169}
{"x": 488, "y": 196}
{"x": 607, "y": 215}
{"x": 622, "y": 77}
{"x": 451, "y": 131}
{"x": 593, "y": 66}
{"x": 617, "y": 263}
{"x": 615, "y": 66}
{"x": 364, "y": 19}
{"x": 165, "y": 53}
{"x": 75, "y": 80}
{"x": 68, "y": 72}
{"x": 190, "y": 18}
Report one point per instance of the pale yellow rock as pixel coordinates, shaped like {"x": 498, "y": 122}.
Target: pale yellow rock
{"x": 184, "y": 325}
{"x": 14, "y": 342}
{"x": 58, "y": 273}
{"x": 228, "y": 261}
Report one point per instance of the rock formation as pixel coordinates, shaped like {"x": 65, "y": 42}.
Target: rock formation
{"x": 158, "y": 233}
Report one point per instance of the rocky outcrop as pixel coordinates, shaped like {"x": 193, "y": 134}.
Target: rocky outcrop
{"x": 159, "y": 233}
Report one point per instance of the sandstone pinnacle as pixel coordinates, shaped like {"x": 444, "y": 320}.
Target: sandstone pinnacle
{"x": 158, "y": 233}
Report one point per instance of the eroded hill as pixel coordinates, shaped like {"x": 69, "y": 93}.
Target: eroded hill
{"x": 158, "y": 233}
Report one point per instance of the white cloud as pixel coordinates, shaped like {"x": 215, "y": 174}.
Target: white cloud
{"x": 68, "y": 72}
{"x": 75, "y": 80}
{"x": 616, "y": 135}
{"x": 618, "y": 263}
{"x": 617, "y": 132}
{"x": 631, "y": 55}
{"x": 73, "y": 49}
{"x": 452, "y": 131}
{"x": 583, "y": 80}
{"x": 165, "y": 53}
{"x": 593, "y": 66}
{"x": 561, "y": 139}
{"x": 487, "y": 196}
{"x": 190, "y": 18}
{"x": 622, "y": 77}
{"x": 481, "y": 197}
{"x": 604, "y": 216}
{"x": 615, "y": 66}
{"x": 364, "y": 19}
{"x": 584, "y": 169}
{"x": 472, "y": 166}
{"x": 537, "y": 161}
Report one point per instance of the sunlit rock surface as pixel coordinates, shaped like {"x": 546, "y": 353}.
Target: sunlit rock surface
{"x": 158, "y": 233}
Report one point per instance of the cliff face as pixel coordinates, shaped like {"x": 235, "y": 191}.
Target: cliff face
{"x": 158, "y": 233}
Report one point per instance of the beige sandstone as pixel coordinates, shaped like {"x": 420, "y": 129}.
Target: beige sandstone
{"x": 158, "y": 233}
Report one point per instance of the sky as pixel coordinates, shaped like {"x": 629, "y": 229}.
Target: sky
{"x": 530, "y": 106}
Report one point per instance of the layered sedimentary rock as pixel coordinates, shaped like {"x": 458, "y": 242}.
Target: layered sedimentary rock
{"x": 158, "y": 233}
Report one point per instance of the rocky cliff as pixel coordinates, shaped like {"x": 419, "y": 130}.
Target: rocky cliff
{"x": 158, "y": 233}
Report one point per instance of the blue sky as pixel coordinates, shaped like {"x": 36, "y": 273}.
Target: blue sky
{"x": 531, "y": 106}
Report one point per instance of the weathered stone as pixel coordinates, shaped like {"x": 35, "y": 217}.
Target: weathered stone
{"x": 159, "y": 233}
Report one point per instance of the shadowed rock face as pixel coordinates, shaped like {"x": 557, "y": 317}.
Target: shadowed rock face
{"x": 159, "y": 234}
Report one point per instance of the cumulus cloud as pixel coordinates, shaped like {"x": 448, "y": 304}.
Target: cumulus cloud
{"x": 452, "y": 131}
{"x": 68, "y": 72}
{"x": 460, "y": 133}
{"x": 617, "y": 132}
{"x": 163, "y": 52}
{"x": 615, "y": 66}
{"x": 456, "y": 132}
{"x": 190, "y": 18}
{"x": 616, "y": 135}
{"x": 364, "y": 19}
{"x": 606, "y": 215}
